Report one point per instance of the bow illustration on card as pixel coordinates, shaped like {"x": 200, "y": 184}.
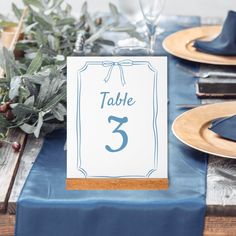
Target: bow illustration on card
{"x": 120, "y": 64}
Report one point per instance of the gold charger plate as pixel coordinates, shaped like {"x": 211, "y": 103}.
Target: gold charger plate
{"x": 180, "y": 44}
{"x": 191, "y": 128}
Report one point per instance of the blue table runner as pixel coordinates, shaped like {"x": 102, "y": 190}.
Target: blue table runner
{"x": 45, "y": 208}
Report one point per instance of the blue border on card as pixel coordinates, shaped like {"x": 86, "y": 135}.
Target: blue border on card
{"x": 155, "y": 114}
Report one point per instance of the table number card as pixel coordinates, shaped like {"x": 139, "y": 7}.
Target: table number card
{"x": 117, "y": 123}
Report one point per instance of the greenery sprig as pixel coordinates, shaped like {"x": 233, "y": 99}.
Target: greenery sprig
{"x": 31, "y": 97}
{"x": 33, "y": 90}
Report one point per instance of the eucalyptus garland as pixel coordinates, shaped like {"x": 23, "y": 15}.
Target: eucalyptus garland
{"x": 33, "y": 90}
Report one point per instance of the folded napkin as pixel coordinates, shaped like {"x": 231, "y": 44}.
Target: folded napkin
{"x": 225, "y": 127}
{"x": 225, "y": 43}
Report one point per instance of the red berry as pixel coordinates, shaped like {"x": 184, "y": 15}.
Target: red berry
{"x": 4, "y": 107}
{"x": 9, "y": 115}
{"x": 16, "y": 146}
{"x": 9, "y": 103}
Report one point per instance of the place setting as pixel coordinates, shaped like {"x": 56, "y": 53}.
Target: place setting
{"x": 117, "y": 118}
{"x": 187, "y": 44}
{"x": 209, "y": 128}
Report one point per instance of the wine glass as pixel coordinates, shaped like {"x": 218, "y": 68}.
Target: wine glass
{"x": 151, "y": 10}
{"x": 131, "y": 10}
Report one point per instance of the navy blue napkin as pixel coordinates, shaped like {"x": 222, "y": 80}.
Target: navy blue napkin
{"x": 225, "y": 127}
{"x": 225, "y": 43}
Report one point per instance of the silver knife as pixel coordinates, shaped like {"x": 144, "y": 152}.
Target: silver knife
{"x": 207, "y": 74}
{"x": 189, "y": 106}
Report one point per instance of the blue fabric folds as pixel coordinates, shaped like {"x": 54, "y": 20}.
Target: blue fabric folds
{"x": 225, "y": 43}
{"x": 225, "y": 127}
{"x": 45, "y": 208}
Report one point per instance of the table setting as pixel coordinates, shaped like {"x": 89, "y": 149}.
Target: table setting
{"x": 200, "y": 195}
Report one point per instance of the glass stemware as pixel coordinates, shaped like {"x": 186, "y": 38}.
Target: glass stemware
{"x": 151, "y": 10}
{"x": 131, "y": 10}
{"x": 132, "y": 13}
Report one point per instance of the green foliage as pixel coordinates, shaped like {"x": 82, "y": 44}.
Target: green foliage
{"x": 35, "y": 85}
{"x": 35, "y": 64}
{"x": 37, "y": 96}
{"x": 50, "y": 27}
{"x": 16, "y": 11}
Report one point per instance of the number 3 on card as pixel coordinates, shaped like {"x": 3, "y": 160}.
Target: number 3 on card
{"x": 124, "y": 135}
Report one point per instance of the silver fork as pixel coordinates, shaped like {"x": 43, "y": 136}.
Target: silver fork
{"x": 208, "y": 74}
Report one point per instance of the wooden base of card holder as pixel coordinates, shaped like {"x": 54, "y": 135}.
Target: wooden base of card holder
{"x": 117, "y": 184}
